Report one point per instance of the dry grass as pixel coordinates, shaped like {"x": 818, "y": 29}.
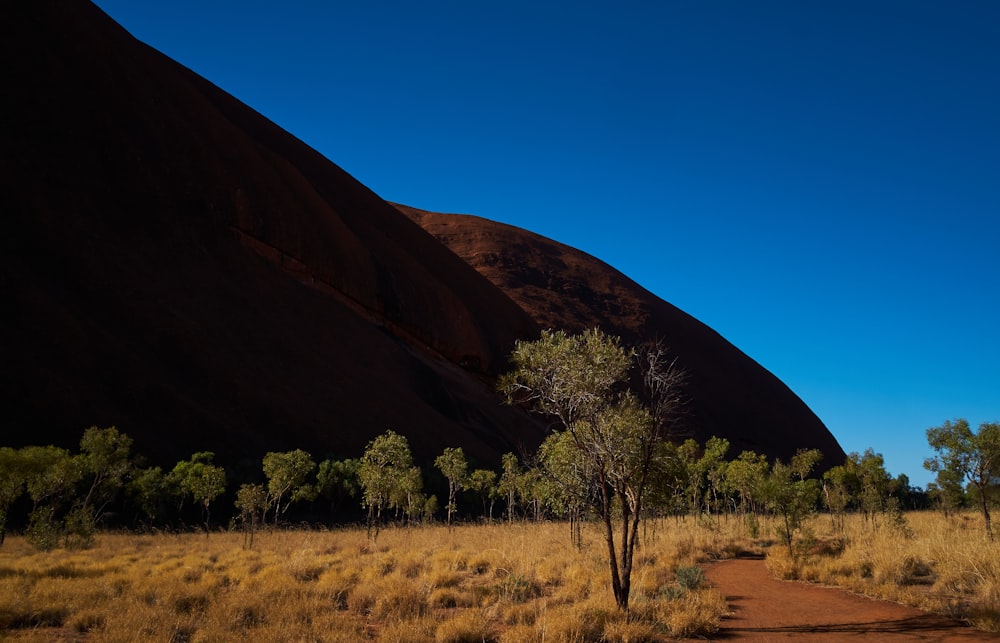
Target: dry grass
{"x": 941, "y": 565}
{"x": 471, "y": 583}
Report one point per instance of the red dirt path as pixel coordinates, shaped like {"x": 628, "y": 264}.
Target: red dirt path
{"x": 767, "y": 609}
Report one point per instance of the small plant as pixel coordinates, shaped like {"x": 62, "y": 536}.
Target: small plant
{"x": 690, "y": 577}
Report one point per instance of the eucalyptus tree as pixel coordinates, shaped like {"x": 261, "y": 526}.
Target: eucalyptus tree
{"x": 251, "y": 501}
{"x": 483, "y": 483}
{"x": 582, "y": 382}
{"x": 12, "y": 479}
{"x": 974, "y": 456}
{"x": 790, "y": 494}
{"x": 104, "y": 462}
{"x": 385, "y": 466}
{"x": 201, "y": 480}
{"x": 559, "y": 458}
{"x": 337, "y": 480}
{"x": 455, "y": 468}
{"x": 510, "y": 482}
{"x": 288, "y": 478}
{"x": 51, "y": 475}
{"x": 745, "y": 475}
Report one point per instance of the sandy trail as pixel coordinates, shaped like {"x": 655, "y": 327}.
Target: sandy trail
{"x": 767, "y": 609}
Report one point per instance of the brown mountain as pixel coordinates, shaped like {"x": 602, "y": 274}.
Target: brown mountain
{"x": 730, "y": 395}
{"x": 177, "y": 265}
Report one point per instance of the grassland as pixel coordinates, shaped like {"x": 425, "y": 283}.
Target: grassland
{"x": 942, "y": 565}
{"x": 472, "y": 583}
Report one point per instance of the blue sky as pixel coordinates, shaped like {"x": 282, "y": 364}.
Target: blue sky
{"x": 819, "y": 182}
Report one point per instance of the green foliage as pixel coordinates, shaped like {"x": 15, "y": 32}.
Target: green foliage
{"x": 690, "y": 577}
{"x": 104, "y": 461}
{"x": 483, "y": 483}
{"x": 152, "y": 492}
{"x": 386, "y": 476}
{"x": 337, "y": 480}
{"x": 455, "y": 467}
{"x": 582, "y": 382}
{"x": 12, "y": 479}
{"x": 510, "y": 482}
{"x": 201, "y": 480}
{"x": 968, "y": 455}
{"x": 251, "y": 501}
{"x": 287, "y": 477}
{"x": 789, "y": 494}
{"x": 567, "y": 376}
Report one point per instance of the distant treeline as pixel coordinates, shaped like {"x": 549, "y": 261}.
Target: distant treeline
{"x": 59, "y": 497}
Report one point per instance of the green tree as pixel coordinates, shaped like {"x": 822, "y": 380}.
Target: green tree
{"x": 105, "y": 461}
{"x": 337, "y": 480}
{"x": 581, "y": 381}
{"x": 483, "y": 483}
{"x": 152, "y": 491}
{"x": 12, "y": 480}
{"x": 947, "y": 491}
{"x": 790, "y": 494}
{"x": 201, "y": 480}
{"x": 408, "y": 497}
{"x": 288, "y": 477}
{"x": 841, "y": 486}
{"x": 745, "y": 476}
{"x": 385, "y": 466}
{"x": 560, "y": 460}
{"x": 873, "y": 483}
{"x": 51, "y": 475}
{"x": 509, "y": 483}
{"x": 455, "y": 467}
{"x": 974, "y": 456}
{"x": 251, "y": 501}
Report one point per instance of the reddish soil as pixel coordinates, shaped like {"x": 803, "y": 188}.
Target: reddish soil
{"x": 767, "y": 609}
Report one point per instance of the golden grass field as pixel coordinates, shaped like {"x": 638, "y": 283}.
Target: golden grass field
{"x": 943, "y": 565}
{"x": 472, "y": 583}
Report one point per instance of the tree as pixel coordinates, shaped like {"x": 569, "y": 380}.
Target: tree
{"x": 152, "y": 491}
{"x": 385, "y": 466}
{"x": 510, "y": 479}
{"x": 51, "y": 474}
{"x": 287, "y": 476}
{"x": 745, "y": 475}
{"x": 12, "y": 479}
{"x": 104, "y": 461}
{"x": 455, "y": 468}
{"x": 559, "y": 458}
{"x": 483, "y": 483}
{"x": 840, "y": 486}
{"x": 790, "y": 494}
{"x": 581, "y": 381}
{"x": 252, "y": 501}
{"x": 337, "y": 480}
{"x": 972, "y": 456}
{"x": 200, "y": 479}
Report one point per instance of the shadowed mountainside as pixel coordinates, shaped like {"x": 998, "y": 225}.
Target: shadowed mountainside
{"x": 175, "y": 264}
{"x": 560, "y": 287}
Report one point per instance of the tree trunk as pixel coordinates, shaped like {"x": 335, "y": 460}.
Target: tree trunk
{"x": 609, "y": 536}
{"x": 986, "y": 511}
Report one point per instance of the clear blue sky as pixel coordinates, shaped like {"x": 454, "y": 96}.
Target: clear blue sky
{"x": 819, "y": 182}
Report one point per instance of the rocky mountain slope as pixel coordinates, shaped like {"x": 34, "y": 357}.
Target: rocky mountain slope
{"x": 175, "y": 264}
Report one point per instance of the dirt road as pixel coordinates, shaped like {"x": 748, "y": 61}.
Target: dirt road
{"x": 767, "y": 609}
